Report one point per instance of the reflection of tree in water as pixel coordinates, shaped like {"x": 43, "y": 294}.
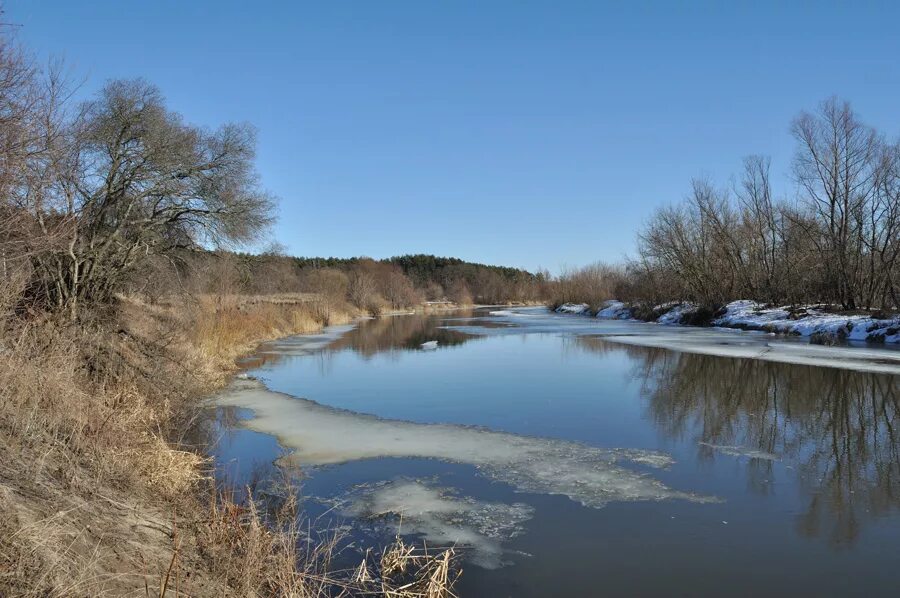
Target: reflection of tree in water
{"x": 398, "y": 332}
{"x": 368, "y": 338}
{"x": 838, "y": 428}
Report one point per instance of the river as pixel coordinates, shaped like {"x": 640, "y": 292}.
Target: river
{"x": 568, "y": 456}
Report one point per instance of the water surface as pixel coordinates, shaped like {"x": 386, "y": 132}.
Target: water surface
{"x": 570, "y": 456}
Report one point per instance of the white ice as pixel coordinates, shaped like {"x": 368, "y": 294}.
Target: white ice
{"x": 750, "y": 314}
{"x": 614, "y": 310}
{"x": 573, "y": 308}
{"x": 741, "y": 451}
{"x": 752, "y": 345}
{"x": 476, "y": 528}
{"x": 676, "y": 314}
{"x": 320, "y": 435}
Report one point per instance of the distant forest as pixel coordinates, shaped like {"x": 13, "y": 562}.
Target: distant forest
{"x": 369, "y": 284}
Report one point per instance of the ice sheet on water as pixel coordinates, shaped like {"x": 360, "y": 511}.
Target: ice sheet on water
{"x": 512, "y": 313}
{"x": 442, "y": 517}
{"x": 305, "y": 344}
{"x": 741, "y": 451}
{"x": 754, "y": 345}
{"x": 320, "y": 435}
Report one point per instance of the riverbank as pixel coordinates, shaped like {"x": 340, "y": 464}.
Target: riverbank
{"x": 105, "y": 486}
{"x": 821, "y": 324}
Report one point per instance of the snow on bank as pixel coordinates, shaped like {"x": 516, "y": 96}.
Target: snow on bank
{"x": 677, "y": 314}
{"x": 611, "y": 310}
{"x": 805, "y": 321}
{"x": 573, "y": 308}
{"x": 614, "y": 310}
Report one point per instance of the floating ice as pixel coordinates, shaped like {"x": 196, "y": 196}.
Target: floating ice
{"x": 511, "y": 313}
{"x": 442, "y": 518}
{"x": 305, "y": 344}
{"x": 321, "y": 435}
{"x": 722, "y": 342}
{"x": 741, "y": 451}
{"x": 710, "y": 341}
{"x": 429, "y": 346}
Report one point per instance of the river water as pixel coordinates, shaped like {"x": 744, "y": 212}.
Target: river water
{"x": 566, "y": 456}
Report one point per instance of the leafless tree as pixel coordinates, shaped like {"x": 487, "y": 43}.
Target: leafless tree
{"x": 363, "y": 289}
{"x": 133, "y": 180}
{"x": 835, "y": 165}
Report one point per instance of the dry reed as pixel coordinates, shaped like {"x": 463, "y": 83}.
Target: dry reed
{"x": 96, "y": 477}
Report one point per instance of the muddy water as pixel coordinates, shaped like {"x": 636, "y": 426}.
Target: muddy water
{"x": 569, "y": 456}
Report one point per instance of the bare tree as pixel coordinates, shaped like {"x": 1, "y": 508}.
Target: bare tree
{"x": 363, "y": 289}
{"x": 835, "y": 166}
{"x": 133, "y": 180}
{"x": 398, "y": 290}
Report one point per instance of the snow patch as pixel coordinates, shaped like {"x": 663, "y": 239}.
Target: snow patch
{"x": 741, "y": 451}
{"x": 676, "y": 314}
{"x": 573, "y": 308}
{"x": 809, "y": 321}
{"x": 614, "y": 310}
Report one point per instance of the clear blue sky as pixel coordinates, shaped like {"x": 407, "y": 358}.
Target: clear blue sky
{"x": 522, "y": 133}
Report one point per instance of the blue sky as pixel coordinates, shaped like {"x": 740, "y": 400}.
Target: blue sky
{"x": 521, "y": 133}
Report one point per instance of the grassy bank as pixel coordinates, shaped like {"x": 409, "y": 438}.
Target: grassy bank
{"x": 104, "y": 487}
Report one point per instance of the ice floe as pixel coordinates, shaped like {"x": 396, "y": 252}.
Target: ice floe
{"x": 741, "y": 451}
{"x": 719, "y": 341}
{"x": 442, "y": 517}
{"x": 710, "y": 341}
{"x": 320, "y": 435}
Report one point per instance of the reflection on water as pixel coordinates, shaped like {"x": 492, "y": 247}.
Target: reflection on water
{"x": 838, "y": 428}
{"x": 805, "y": 459}
{"x": 387, "y": 334}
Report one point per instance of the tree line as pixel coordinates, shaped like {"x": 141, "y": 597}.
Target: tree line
{"x": 835, "y": 239}
{"x": 368, "y": 284}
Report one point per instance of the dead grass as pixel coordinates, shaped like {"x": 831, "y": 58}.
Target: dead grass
{"x": 277, "y": 557}
{"x": 224, "y": 327}
{"x": 100, "y": 493}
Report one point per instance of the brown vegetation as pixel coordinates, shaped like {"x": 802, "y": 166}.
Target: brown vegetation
{"x": 103, "y": 493}
{"x": 115, "y": 321}
{"x": 374, "y": 286}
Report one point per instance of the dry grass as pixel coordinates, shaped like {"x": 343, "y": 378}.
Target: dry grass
{"x": 225, "y": 327}
{"x": 100, "y": 494}
{"x": 592, "y": 285}
{"x": 277, "y": 557}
